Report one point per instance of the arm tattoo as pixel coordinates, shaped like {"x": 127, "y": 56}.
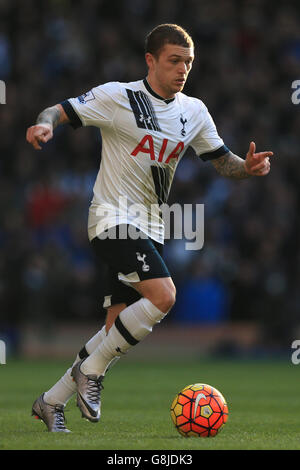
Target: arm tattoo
{"x": 231, "y": 165}
{"x": 49, "y": 116}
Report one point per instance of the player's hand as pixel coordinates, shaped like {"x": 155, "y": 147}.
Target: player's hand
{"x": 257, "y": 164}
{"x": 40, "y": 133}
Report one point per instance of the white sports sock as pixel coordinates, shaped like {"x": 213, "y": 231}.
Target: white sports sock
{"x": 64, "y": 389}
{"x": 95, "y": 340}
{"x": 132, "y": 325}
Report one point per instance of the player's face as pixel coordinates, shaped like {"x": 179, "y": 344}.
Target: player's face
{"x": 169, "y": 71}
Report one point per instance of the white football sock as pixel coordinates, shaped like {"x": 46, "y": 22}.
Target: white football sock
{"x": 64, "y": 389}
{"x": 132, "y": 325}
{"x": 95, "y": 340}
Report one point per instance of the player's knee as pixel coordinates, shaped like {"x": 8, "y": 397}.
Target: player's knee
{"x": 165, "y": 299}
{"x": 161, "y": 293}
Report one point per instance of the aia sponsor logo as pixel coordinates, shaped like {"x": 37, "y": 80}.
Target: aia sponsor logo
{"x": 146, "y": 146}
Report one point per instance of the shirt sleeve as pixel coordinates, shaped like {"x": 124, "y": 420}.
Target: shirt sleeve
{"x": 207, "y": 144}
{"x": 94, "y": 108}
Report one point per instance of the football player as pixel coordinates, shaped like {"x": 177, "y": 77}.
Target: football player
{"x": 146, "y": 127}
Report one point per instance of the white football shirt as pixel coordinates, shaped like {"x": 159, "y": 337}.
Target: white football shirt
{"x": 143, "y": 139}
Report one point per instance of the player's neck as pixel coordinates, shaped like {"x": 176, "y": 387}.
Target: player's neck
{"x": 156, "y": 89}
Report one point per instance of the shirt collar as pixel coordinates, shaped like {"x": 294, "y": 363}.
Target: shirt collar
{"x": 152, "y": 92}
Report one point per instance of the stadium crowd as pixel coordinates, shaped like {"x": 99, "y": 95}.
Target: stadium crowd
{"x": 247, "y": 56}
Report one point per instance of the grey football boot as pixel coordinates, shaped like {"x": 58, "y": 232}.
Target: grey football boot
{"x": 88, "y": 393}
{"x": 52, "y": 415}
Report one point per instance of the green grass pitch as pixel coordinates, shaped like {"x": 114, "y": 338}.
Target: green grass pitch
{"x": 263, "y": 399}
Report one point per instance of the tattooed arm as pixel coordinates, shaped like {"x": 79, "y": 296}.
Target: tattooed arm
{"x": 46, "y": 122}
{"x": 231, "y": 165}
{"x": 53, "y": 116}
{"x": 255, "y": 164}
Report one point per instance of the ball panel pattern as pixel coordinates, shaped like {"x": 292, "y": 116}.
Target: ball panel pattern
{"x": 199, "y": 410}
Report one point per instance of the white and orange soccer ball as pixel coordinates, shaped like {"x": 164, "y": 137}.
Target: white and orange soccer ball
{"x": 199, "y": 410}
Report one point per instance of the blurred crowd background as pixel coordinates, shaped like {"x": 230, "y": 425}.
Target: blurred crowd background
{"x": 247, "y": 56}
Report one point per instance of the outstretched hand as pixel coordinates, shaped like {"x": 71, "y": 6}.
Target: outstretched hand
{"x": 257, "y": 164}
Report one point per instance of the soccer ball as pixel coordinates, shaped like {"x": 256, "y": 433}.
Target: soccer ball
{"x": 199, "y": 410}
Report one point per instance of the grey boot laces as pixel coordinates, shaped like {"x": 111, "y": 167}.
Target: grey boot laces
{"x": 58, "y": 412}
{"x": 94, "y": 388}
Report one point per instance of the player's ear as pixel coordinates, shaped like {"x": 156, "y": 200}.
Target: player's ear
{"x": 149, "y": 60}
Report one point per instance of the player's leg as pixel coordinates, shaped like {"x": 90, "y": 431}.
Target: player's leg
{"x": 133, "y": 324}
{"x": 161, "y": 292}
{"x": 61, "y": 392}
{"x": 139, "y": 264}
{"x": 49, "y": 406}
